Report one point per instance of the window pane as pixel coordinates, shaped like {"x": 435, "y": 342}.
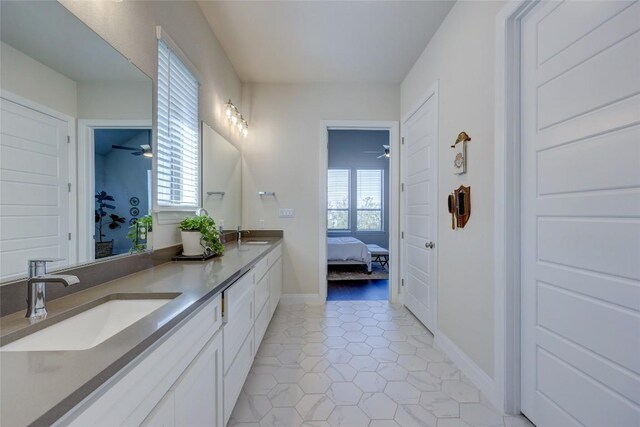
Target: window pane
{"x": 178, "y": 132}
{"x": 369, "y": 220}
{"x": 338, "y": 189}
{"x": 369, "y": 189}
{"x": 338, "y": 220}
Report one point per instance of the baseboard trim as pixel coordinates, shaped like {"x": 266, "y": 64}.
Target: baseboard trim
{"x": 470, "y": 369}
{"x": 301, "y": 299}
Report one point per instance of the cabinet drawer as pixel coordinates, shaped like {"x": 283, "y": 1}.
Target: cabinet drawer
{"x": 235, "y": 293}
{"x": 261, "y": 268}
{"x": 273, "y": 256}
{"x": 234, "y": 379}
{"x": 239, "y": 323}
{"x": 262, "y": 322}
{"x": 261, "y": 294}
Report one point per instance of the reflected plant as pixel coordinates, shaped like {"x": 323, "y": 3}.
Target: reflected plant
{"x": 102, "y": 201}
{"x": 139, "y": 231}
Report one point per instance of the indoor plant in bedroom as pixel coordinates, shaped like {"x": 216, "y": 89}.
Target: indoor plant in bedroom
{"x": 105, "y": 249}
{"x": 200, "y": 236}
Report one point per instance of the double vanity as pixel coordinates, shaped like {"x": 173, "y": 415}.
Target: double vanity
{"x": 170, "y": 345}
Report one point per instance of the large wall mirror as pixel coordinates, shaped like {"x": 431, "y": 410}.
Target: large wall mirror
{"x": 221, "y": 179}
{"x": 75, "y": 142}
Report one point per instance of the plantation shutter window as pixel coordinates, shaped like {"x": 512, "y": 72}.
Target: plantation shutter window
{"x": 178, "y": 149}
{"x": 369, "y": 200}
{"x": 338, "y": 199}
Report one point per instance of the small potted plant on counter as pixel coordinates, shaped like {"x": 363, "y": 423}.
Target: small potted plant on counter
{"x": 200, "y": 236}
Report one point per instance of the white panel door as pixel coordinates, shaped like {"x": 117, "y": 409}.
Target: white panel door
{"x": 419, "y": 199}
{"x": 34, "y": 179}
{"x": 581, "y": 214}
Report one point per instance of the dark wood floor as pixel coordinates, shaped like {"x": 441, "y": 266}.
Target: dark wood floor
{"x": 358, "y": 290}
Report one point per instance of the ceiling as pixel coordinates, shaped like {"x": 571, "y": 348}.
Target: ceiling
{"x": 47, "y": 32}
{"x": 324, "y": 41}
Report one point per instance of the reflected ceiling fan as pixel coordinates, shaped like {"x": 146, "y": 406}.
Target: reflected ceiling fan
{"x": 144, "y": 150}
{"x": 385, "y": 153}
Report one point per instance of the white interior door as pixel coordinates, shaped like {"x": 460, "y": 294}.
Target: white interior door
{"x": 581, "y": 214}
{"x": 34, "y": 179}
{"x": 419, "y": 206}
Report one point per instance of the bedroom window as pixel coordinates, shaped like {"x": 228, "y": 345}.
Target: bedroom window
{"x": 338, "y": 199}
{"x": 178, "y": 151}
{"x": 369, "y": 185}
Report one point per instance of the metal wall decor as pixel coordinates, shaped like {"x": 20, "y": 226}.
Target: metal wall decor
{"x": 460, "y": 153}
{"x": 459, "y": 204}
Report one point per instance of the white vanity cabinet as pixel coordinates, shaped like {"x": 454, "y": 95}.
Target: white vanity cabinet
{"x": 178, "y": 382}
{"x": 194, "y": 376}
{"x": 262, "y": 286}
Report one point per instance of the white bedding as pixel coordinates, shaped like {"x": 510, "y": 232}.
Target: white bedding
{"x": 348, "y": 249}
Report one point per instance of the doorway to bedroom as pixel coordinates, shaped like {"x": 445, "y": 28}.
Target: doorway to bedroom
{"x": 358, "y": 210}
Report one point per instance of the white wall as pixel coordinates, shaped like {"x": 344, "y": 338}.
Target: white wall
{"x": 115, "y": 100}
{"x": 30, "y": 79}
{"x": 130, "y": 27}
{"x": 461, "y": 57}
{"x": 282, "y": 154}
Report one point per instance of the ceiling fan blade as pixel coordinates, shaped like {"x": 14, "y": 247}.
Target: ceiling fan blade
{"x": 386, "y": 147}
{"x": 138, "y": 153}
{"x": 371, "y": 152}
{"x": 145, "y": 147}
{"x": 121, "y": 147}
{"x": 379, "y": 157}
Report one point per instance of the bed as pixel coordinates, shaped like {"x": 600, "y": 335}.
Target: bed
{"x": 348, "y": 251}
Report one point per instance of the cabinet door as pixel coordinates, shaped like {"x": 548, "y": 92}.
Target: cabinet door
{"x": 163, "y": 415}
{"x": 198, "y": 393}
{"x": 275, "y": 284}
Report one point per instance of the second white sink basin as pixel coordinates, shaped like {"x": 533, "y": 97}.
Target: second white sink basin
{"x": 89, "y": 328}
{"x": 256, "y": 242}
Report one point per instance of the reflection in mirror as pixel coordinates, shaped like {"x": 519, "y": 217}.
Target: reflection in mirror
{"x": 221, "y": 179}
{"x": 75, "y": 141}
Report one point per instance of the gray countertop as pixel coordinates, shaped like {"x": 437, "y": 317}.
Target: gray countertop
{"x": 40, "y": 387}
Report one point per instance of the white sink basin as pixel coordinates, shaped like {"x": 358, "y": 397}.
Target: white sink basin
{"x": 256, "y": 242}
{"x": 89, "y": 328}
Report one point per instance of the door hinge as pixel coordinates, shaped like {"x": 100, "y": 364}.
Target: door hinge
{"x": 403, "y": 140}
{"x": 402, "y": 187}
{"x": 69, "y": 236}
{"x": 69, "y": 187}
{"x": 68, "y": 139}
{"x": 402, "y": 234}
{"x": 401, "y": 282}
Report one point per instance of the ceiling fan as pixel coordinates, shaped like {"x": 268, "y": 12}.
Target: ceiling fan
{"x": 144, "y": 150}
{"x": 385, "y": 153}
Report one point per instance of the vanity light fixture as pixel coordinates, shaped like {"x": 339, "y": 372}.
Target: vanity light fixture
{"x": 236, "y": 119}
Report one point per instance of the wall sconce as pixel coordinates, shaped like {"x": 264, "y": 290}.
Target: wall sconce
{"x": 236, "y": 118}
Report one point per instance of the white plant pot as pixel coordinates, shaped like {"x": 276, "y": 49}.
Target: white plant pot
{"x": 191, "y": 243}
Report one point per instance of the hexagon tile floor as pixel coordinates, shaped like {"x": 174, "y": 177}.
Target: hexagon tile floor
{"x": 353, "y": 364}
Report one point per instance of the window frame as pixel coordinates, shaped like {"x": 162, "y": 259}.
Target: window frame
{"x": 381, "y": 209}
{"x": 171, "y": 212}
{"x": 348, "y": 209}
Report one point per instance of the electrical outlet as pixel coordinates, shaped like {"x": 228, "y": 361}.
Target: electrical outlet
{"x": 286, "y": 213}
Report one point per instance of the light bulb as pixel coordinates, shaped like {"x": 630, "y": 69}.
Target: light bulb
{"x": 234, "y": 118}
{"x": 245, "y": 132}
{"x": 228, "y": 110}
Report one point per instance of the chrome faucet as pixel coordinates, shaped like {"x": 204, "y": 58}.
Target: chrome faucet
{"x": 38, "y": 278}
{"x": 239, "y": 234}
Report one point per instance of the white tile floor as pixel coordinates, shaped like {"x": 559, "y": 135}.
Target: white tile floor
{"x": 357, "y": 363}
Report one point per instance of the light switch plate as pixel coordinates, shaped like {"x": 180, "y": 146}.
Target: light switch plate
{"x": 286, "y": 213}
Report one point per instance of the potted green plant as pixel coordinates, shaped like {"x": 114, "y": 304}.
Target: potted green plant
{"x": 140, "y": 234}
{"x": 200, "y": 235}
{"x": 105, "y": 249}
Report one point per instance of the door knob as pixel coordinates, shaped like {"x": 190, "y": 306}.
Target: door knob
{"x": 430, "y": 245}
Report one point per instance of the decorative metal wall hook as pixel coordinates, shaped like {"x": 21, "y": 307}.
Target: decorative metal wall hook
{"x": 462, "y": 137}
